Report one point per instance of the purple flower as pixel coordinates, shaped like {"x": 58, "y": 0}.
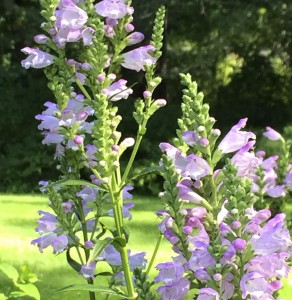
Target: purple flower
{"x": 256, "y": 285}
{"x": 126, "y": 194}
{"x": 169, "y": 273}
{"x": 111, "y": 255}
{"x": 176, "y": 291}
{"x": 190, "y": 138}
{"x": 118, "y": 90}
{"x": 87, "y": 270}
{"x": 288, "y": 180}
{"x": 60, "y": 243}
{"x": 188, "y": 194}
{"x": 70, "y": 15}
{"x": 245, "y": 161}
{"x": 68, "y": 206}
{"x": 208, "y": 294}
{"x": 135, "y": 38}
{"x": 272, "y": 134}
{"x": 196, "y": 167}
{"x": 236, "y": 139}
{"x": 138, "y": 58}
{"x": 273, "y": 237}
{"x": 47, "y": 223}
{"x": 114, "y": 9}
{"x": 37, "y": 59}
{"x": 137, "y": 260}
{"x": 271, "y": 265}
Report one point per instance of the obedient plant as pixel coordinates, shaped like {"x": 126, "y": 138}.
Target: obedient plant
{"x": 228, "y": 244}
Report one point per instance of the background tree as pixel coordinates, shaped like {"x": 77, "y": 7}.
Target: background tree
{"x": 239, "y": 51}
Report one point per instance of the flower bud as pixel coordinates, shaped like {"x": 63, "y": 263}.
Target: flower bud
{"x": 216, "y": 132}
{"x": 147, "y": 94}
{"x": 129, "y": 27}
{"x": 160, "y": 102}
{"x": 41, "y": 39}
{"x": 128, "y": 142}
{"x": 201, "y": 128}
{"x": 101, "y": 77}
{"x": 236, "y": 224}
{"x": 204, "y": 142}
{"x": 115, "y": 148}
{"x": 78, "y": 140}
{"x": 88, "y": 244}
{"x": 112, "y": 76}
{"x": 187, "y": 229}
{"x": 239, "y": 244}
{"x": 217, "y": 277}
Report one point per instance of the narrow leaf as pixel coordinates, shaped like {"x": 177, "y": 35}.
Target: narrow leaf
{"x": 79, "y": 182}
{"x": 9, "y": 271}
{"x": 73, "y": 263}
{"x": 148, "y": 171}
{"x": 98, "y": 248}
{"x": 90, "y": 288}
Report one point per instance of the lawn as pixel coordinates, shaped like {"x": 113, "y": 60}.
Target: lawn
{"x": 18, "y": 216}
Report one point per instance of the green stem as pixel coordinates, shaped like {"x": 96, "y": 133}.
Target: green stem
{"x": 82, "y": 88}
{"x": 118, "y": 217}
{"x": 132, "y": 158}
{"x": 154, "y": 253}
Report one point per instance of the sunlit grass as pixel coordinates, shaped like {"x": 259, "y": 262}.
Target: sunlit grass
{"x": 18, "y": 216}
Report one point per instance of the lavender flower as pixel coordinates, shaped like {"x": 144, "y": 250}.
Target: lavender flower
{"x": 118, "y": 90}
{"x": 114, "y": 9}
{"x": 138, "y": 58}
{"x": 87, "y": 270}
{"x": 236, "y": 139}
{"x": 37, "y": 59}
{"x": 272, "y": 134}
{"x": 208, "y": 294}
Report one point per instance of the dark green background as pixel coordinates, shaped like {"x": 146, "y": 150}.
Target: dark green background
{"x": 239, "y": 52}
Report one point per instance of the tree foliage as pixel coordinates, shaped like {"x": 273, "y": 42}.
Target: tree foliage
{"x": 239, "y": 51}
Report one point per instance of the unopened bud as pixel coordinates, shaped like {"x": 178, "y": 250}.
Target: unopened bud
{"x": 129, "y": 27}
{"x": 78, "y": 140}
{"x": 216, "y": 132}
{"x": 128, "y": 142}
{"x": 201, "y": 128}
{"x": 160, "y": 102}
{"x": 41, "y": 39}
{"x": 217, "y": 277}
{"x": 204, "y": 142}
{"x": 101, "y": 77}
{"x": 112, "y": 76}
{"x": 102, "y": 163}
{"x": 147, "y": 94}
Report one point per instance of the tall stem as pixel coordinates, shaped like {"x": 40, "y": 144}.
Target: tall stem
{"x": 117, "y": 200}
{"x": 154, "y": 253}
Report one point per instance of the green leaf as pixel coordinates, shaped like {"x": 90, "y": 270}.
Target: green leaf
{"x": 148, "y": 171}
{"x": 9, "y": 271}
{"x": 98, "y": 248}
{"x": 73, "y": 263}
{"x": 3, "y": 297}
{"x": 30, "y": 290}
{"x": 79, "y": 182}
{"x": 119, "y": 243}
{"x": 90, "y": 288}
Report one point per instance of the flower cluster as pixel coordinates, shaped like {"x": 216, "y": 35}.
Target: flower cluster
{"x": 225, "y": 247}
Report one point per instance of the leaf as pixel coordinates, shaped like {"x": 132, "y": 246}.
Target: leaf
{"x": 98, "y": 248}
{"x": 119, "y": 243}
{"x": 3, "y": 297}
{"x": 9, "y": 271}
{"x": 90, "y": 288}
{"x": 73, "y": 263}
{"x": 148, "y": 171}
{"x": 79, "y": 182}
{"x": 30, "y": 290}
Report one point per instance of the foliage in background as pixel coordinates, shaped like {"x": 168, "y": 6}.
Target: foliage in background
{"x": 17, "y": 285}
{"x": 238, "y": 51}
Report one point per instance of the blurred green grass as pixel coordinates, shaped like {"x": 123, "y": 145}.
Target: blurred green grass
{"x": 18, "y": 217}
